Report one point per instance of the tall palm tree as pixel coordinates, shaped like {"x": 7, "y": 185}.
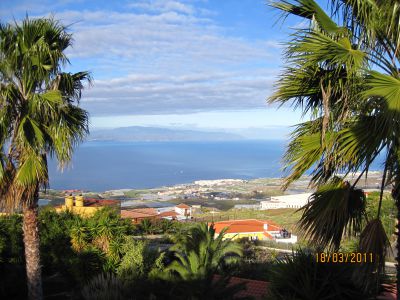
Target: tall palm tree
{"x": 343, "y": 72}
{"x": 39, "y": 116}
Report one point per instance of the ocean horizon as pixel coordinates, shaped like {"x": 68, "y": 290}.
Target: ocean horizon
{"x": 100, "y": 166}
{"x": 106, "y": 165}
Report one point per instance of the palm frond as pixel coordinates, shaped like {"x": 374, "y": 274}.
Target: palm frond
{"x": 304, "y": 150}
{"x": 315, "y": 47}
{"x": 374, "y": 242}
{"x": 332, "y": 210}
{"x": 45, "y": 106}
{"x": 29, "y": 135}
{"x": 308, "y": 9}
{"x": 67, "y": 133}
{"x": 33, "y": 170}
{"x": 388, "y": 88}
{"x": 202, "y": 254}
{"x": 70, "y": 85}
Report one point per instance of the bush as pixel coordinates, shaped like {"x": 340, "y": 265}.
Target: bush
{"x": 137, "y": 261}
{"x": 11, "y": 244}
{"x": 106, "y": 287}
{"x": 12, "y": 258}
{"x": 256, "y": 263}
{"x": 300, "y": 277}
{"x": 55, "y": 240}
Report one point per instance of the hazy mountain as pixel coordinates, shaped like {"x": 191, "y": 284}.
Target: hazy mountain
{"x": 139, "y": 133}
{"x": 268, "y": 133}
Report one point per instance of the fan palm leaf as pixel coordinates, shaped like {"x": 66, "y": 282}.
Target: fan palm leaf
{"x": 332, "y": 210}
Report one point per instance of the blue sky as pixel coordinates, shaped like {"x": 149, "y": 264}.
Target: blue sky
{"x": 207, "y": 65}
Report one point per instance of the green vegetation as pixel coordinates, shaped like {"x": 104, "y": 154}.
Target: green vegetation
{"x": 39, "y": 117}
{"x": 80, "y": 253}
{"x": 301, "y": 277}
{"x": 133, "y": 193}
{"x": 256, "y": 262}
{"x": 167, "y": 227}
{"x": 200, "y": 254}
{"x": 104, "y": 256}
{"x": 342, "y": 72}
{"x": 388, "y": 211}
{"x": 218, "y": 204}
{"x": 344, "y": 75}
{"x": 72, "y": 250}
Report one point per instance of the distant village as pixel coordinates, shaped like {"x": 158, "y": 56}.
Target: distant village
{"x": 177, "y": 203}
{"x": 251, "y": 229}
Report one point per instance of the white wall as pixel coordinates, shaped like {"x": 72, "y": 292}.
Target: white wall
{"x": 287, "y": 201}
{"x": 292, "y": 240}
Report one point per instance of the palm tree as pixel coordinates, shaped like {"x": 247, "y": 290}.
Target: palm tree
{"x": 146, "y": 226}
{"x": 345, "y": 76}
{"x": 203, "y": 253}
{"x": 39, "y": 116}
{"x": 80, "y": 235}
{"x": 198, "y": 257}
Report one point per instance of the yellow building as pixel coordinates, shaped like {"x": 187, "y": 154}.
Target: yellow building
{"x": 254, "y": 230}
{"x": 86, "y": 207}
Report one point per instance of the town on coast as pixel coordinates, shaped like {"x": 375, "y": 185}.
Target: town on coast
{"x": 201, "y": 200}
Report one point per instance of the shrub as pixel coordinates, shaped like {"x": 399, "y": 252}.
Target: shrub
{"x": 300, "y": 277}
{"x": 106, "y": 287}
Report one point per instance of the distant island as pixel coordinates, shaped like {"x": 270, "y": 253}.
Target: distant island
{"x": 141, "y": 133}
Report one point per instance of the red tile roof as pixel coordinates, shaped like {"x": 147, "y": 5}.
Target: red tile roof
{"x": 252, "y": 225}
{"x": 101, "y": 202}
{"x": 138, "y": 213}
{"x": 254, "y": 288}
{"x": 389, "y": 293}
{"x": 167, "y": 214}
{"x": 183, "y": 205}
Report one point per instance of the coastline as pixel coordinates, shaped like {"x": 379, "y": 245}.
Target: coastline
{"x": 223, "y": 192}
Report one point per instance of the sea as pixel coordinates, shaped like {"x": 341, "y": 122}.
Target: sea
{"x": 103, "y": 165}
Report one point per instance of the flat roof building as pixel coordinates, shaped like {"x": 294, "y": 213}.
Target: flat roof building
{"x": 286, "y": 201}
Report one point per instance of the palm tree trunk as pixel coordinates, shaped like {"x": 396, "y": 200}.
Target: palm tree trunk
{"x": 398, "y": 250}
{"x": 396, "y": 197}
{"x": 32, "y": 254}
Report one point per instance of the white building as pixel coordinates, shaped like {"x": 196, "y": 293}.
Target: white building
{"x": 247, "y": 206}
{"x": 286, "y": 201}
{"x": 183, "y": 210}
{"x": 218, "y": 182}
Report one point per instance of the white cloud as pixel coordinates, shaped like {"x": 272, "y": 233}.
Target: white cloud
{"x": 163, "y": 6}
{"x": 166, "y": 56}
{"x": 224, "y": 119}
{"x": 153, "y": 94}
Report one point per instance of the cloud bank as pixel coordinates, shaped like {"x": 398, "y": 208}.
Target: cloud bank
{"x": 163, "y": 57}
